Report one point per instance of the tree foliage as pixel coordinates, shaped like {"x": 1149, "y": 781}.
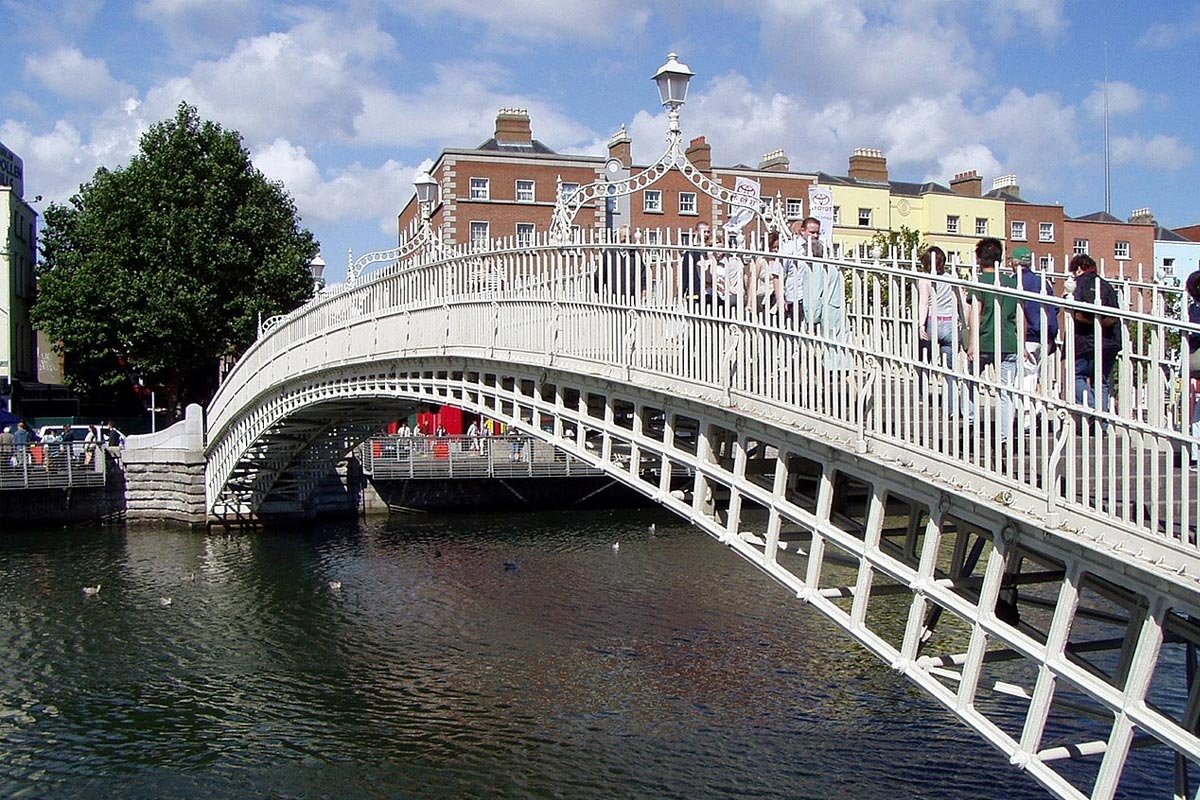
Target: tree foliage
{"x": 905, "y": 244}
{"x": 161, "y": 269}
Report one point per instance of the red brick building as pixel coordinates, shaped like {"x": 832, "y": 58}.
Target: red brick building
{"x": 1189, "y": 232}
{"x": 507, "y": 186}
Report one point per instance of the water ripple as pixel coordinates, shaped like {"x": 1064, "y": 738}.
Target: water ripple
{"x": 448, "y": 657}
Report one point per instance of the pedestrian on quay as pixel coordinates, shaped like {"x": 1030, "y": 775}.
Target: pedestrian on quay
{"x": 7, "y": 441}
{"x": 23, "y": 441}
{"x": 89, "y": 445}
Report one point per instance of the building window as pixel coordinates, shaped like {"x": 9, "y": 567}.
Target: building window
{"x": 1018, "y": 231}
{"x": 1045, "y": 231}
{"x": 981, "y": 226}
{"x": 837, "y": 215}
{"x": 1081, "y": 247}
{"x": 1121, "y": 251}
{"x": 951, "y": 223}
{"x": 569, "y": 189}
{"x": 481, "y": 189}
{"x": 864, "y": 218}
{"x": 1045, "y": 263}
{"x": 652, "y": 237}
{"x": 525, "y": 191}
{"x": 524, "y": 234}
{"x": 652, "y": 201}
{"x": 794, "y": 207}
{"x": 687, "y": 203}
{"x": 480, "y": 236}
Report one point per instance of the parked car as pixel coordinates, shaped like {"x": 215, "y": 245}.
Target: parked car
{"x": 78, "y": 432}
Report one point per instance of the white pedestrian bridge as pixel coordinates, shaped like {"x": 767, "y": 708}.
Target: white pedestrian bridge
{"x": 1044, "y": 589}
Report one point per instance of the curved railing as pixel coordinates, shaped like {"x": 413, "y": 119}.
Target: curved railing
{"x": 862, "y": 366}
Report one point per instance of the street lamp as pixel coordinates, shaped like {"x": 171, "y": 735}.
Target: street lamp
{"x": 426, "y": 188}
{"x": 424, "y": 237}
{"x": 672, "y": 79}
{"x": 316, "y": 266}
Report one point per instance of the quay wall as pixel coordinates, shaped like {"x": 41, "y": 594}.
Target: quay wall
{"x": 164, "y": 474}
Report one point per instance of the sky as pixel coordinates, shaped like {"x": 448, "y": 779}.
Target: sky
{"x": 345, "y": 102}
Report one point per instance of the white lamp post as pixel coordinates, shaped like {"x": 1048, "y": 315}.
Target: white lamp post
{"x": 317, "y": 267}
{"x": 427, "y": 194}
{"x": 672, "y": 79}
{"x": 426, "y": 188}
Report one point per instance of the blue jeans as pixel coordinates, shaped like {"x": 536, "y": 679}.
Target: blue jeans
{"x": 1086, "y": 377}
{"x": 947, "y": 334}
{"x": 1010, "y": 406}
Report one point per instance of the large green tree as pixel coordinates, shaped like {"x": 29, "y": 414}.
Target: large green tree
{"x": 161, "y": 269}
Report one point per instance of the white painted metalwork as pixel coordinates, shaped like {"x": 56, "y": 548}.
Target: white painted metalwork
{"x": 672, "y": 78}
{"x": 1043, "y": 592}
{"x": 483, "y": 456}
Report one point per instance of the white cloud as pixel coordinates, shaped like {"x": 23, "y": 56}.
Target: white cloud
{"x": 1123, "y": 98}
{"x": 200, "y": 25}
{"x": 1042, "y": 17}
{"x": 460, "y": 106}
{"x": 1159, "y": 152}
{"x": 71, "y": 75}
{"x": 595, "y": 20}
{"x": 1167, "y": 35}
{"x": 305, "y": 82}
{"x": 871, "y": 51}
{"x": 348, "y": 193}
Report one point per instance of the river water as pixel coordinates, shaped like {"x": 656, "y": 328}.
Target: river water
{"x": 518, "y": 656}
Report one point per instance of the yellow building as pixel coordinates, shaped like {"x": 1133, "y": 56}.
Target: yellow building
{"x": 867, "y": 203}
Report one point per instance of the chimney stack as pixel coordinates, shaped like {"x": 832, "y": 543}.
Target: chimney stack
{"x": 1008, "y": 183}
{"x": 512, "y": 127}
{"x": 620, "y": 147}
{"x": 775, "y": 161}
{"x": 699, "y": 152}
{"x": 1142, "y": 216}
{"x": 868, "y": 164}
{"x": 968, "y": 184}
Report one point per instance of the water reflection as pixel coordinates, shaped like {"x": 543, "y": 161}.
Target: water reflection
{"x": 497, "y": 656}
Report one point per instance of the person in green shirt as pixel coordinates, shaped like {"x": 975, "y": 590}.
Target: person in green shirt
{"x": 993, "y": 338}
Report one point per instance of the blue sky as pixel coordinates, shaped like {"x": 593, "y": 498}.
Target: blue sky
{"x": 344, "y": 101}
